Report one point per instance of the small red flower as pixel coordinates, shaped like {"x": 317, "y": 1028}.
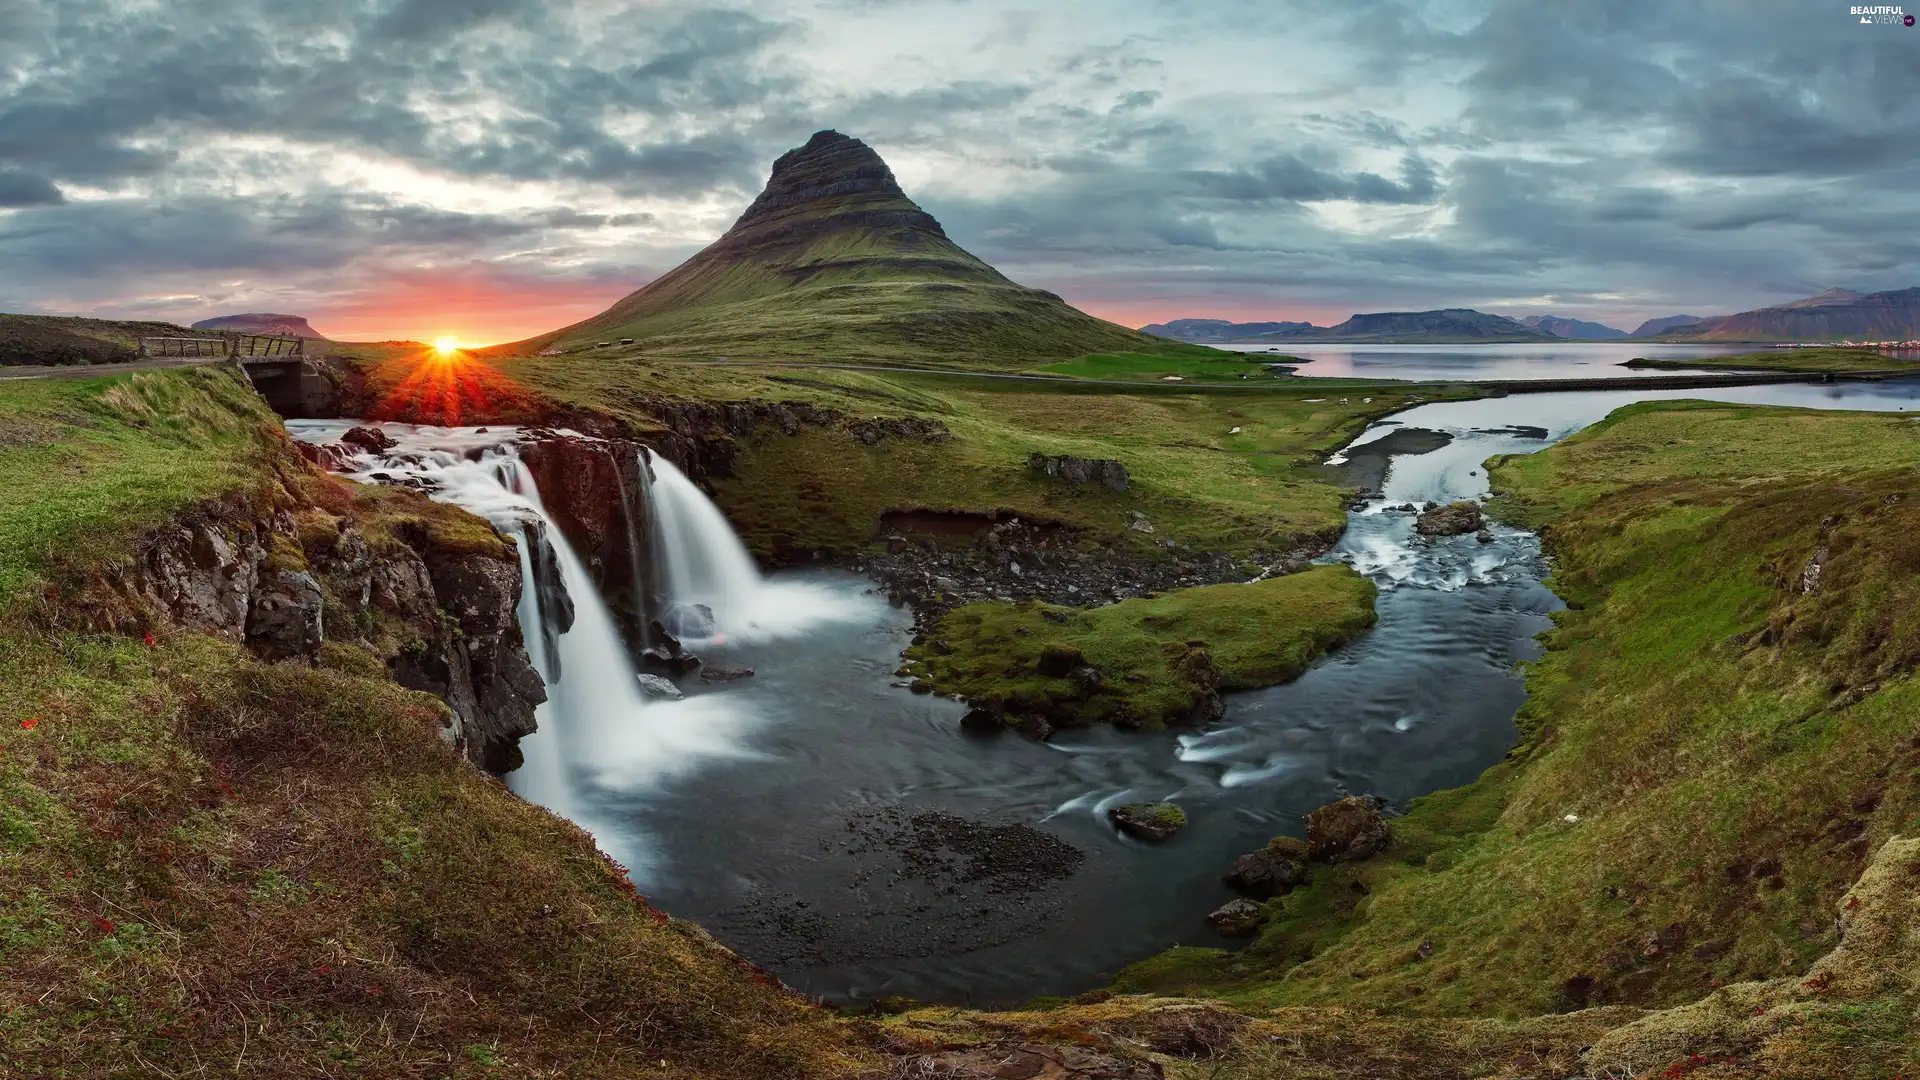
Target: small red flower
{"x": 103, "y": 924}
{"x": 148, "y": 638}
{"x": 30, "y": 724}
{"x": 325, "y": 969}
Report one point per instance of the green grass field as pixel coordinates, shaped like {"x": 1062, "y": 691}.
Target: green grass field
{"x": 1836, "y": 361}
{"x": 87, "y": 465}
{"x": 1219, "y": 366}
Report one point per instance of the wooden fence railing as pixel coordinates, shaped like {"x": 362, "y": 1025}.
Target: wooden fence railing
{"x": 230, "y": 345}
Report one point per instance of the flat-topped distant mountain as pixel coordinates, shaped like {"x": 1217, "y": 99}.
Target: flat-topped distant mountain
{"x": 1573, "y": 328}
{"x": 1205, "y": 331}
{"x": 260, "y": 322}
{"x": 1834, "y": 315}
{"x": 1447, "y": 325}
{"x": 832, "y": 260}
{"x": 1668, "y": 322}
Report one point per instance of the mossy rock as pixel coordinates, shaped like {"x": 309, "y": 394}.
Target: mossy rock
{"x": 1148, "y": 821}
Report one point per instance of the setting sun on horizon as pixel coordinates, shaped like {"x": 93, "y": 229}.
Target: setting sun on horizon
{"x": 446, "y": 346}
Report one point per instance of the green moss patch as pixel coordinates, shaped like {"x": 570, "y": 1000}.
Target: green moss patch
{"x": 1153, "y": 656}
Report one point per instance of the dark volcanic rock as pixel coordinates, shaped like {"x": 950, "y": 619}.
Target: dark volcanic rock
{"x": 1352, "y": 828}
{"x": 1237, "y": 918}
{"x": 1449, "y": 520}
{"x": 367, "y": 437}
{"x": 716, "y": 673}
{"x": 285, "y": 617}
{"x": 1079, "y": 470}
{"x": 679, "y": 663}
{"x": 1272, "y": 870}
{"x": 592, "y": 489}
{"x": 1148, "y": 821}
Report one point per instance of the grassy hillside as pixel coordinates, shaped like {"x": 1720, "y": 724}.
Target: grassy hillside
{"x": 1723, "y": 731}
{"x": 278, "y": 869}
{"x": 55, "y": 339}
{"x": 833, "y": 261}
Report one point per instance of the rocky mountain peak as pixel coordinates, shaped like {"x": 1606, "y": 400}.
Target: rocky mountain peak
{"x": 830, "y": 172}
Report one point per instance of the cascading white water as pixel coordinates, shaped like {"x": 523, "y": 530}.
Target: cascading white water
{"x": 703, "y": 563}
{"x": 592, "y": 735}
{"x": 702, "y": 559}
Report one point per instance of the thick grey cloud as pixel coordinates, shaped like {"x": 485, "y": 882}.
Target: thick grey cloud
{"x": 1611, "y": 159}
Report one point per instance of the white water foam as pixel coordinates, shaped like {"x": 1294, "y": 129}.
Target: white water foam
{"x": 703, "y": 562}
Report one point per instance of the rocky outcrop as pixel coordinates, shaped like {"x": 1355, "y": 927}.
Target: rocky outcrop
{"x": 1350, "y": 829}
{"x": 283, "y": 618}
{"x": 1078, "y": 470}
{"x": 944, "y": 560}
{"x": 593, "y": 490}
{"x": 444, "y": 622}
{"x": 1449, "y": 520}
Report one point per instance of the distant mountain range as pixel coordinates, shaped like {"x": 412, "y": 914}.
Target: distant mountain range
{"x": 1661, "y": 325}
{"x": 1834, "y": 315}
{"x": 1562, "y": 327}
{"x": 1210, "y": 331}
{"x": 1449, "y": 325}
{"x": 261, "y": 322}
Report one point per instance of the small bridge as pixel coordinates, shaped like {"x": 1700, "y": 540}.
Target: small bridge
{"x": 246, "y": 348}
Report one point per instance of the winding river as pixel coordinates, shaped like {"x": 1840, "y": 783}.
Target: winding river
{"x": 847, "y": 835}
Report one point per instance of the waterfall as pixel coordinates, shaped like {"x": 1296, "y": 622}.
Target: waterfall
{"x": 703, "y": 563}
{"x": 598, "y": 736}
{"x": 713, "y": 589}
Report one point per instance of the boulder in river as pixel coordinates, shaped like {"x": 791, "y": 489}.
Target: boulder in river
{"x": 653, "y": 686}
{"x": 1272, "y": 870}
{"x": 1237, "y": 918}
{"x": 660, "y": 658}
{"x": 1350, "y": 829}
{"x": 1148, "y": 821}
{"x": 688, "y": 620}
{"x": 716, "y": 673}
{"x": 1449, "y": 520}
{"x": 369, "y": 438}
{"x": 984, "y": 720}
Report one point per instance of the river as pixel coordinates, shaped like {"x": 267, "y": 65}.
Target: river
{"x": 847, "y": 835}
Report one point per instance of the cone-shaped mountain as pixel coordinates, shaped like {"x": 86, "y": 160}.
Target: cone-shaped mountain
{"x": 833, "y": 261}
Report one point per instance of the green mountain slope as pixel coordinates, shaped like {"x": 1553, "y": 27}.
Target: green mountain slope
{"x": 833, "y": 261}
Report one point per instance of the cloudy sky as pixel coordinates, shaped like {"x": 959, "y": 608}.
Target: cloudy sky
{"x": 495, "y": 168}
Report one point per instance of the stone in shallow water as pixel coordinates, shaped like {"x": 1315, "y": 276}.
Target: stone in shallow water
{"x": 716, "y": 673}
{"x": 654, "y": 686}
{"x": 1148, "y": 821}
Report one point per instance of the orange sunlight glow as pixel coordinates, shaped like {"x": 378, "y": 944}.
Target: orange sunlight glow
{"x": 447, "y": 387}
{"x": 446, "y": 346}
